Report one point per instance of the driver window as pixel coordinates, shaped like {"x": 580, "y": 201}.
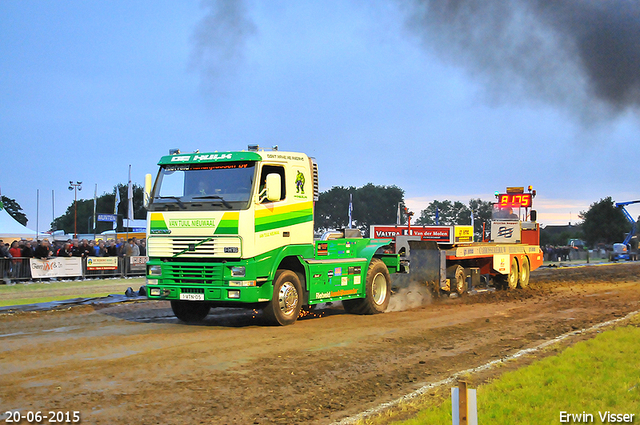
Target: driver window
{"x": 269, "y": 169}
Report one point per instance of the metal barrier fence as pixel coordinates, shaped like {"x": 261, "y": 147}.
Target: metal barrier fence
{"x": 25, "y": 269}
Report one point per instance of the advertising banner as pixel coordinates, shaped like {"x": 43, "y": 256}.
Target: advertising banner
{"x": 107, "y": 217}
{"x": 138, "y": 263}
{"x": 440, "y": 234}
{"x": 102, "y": 263}
{"x": 56, "y": 267}
{"x": 463, "y": 234}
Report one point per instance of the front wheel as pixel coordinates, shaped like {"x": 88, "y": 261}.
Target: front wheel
{"x": 286, "y": 301}
{"x": 377, "y": 291}
{"x": 190, "y": 311}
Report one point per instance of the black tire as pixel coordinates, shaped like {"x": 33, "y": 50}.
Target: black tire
{"x": 525, "y": 273}
{"x": 511, "y": 280}
{"x": 190, "y": 311}
{"x": 514, "y": 274}
{"x": 377, "y": 291}
{"x": 286, "y": 301}
{"x": 457, "y": 279}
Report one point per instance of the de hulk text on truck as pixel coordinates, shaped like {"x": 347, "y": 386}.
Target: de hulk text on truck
{"x": 236, "y": 229}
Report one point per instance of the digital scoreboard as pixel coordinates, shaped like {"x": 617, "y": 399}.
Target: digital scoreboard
{"x": 514, "y": 200}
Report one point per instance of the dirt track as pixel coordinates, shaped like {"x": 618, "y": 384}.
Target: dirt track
{"x": 136, "y": 364}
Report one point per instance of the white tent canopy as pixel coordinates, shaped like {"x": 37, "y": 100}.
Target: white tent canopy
{"x": 11, "y": 230}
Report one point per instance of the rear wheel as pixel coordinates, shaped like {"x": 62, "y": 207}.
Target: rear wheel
{"x": 377, "y": 291}
{"x": 458, "y": 279}
{"x": 286, "y": 301}
{"x": 525, "y": 272}
{"x": 190, "y": 311}
{"x": 514, "y": 274}
{"x": 509, "y": 281}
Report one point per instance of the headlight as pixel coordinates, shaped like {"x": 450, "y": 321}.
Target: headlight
{"x": 155, "y": 292}
{"x": 233, "y": 294}
{"x": 238, "y": 271}
{"x": 242, "y": 283}
{"x": 154, "y": 270}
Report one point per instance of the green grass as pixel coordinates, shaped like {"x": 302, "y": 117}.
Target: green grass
{"x": 38, "y": 292}
{"x": 592, "y": 376}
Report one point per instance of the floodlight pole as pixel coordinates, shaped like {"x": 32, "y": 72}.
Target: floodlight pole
{"x": 75, "y": 187}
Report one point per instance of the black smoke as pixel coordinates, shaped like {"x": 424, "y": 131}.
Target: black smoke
{"x": 584, "y": 54}
{"x": 220, "y": 38}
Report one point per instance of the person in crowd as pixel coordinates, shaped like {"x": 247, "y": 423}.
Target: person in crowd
{"x": 101, "y": 249}
{"x": 28, "y": 249}
{"x": 127, "y": 250}
{"x": 112, "y": 249}
{"x": 16, "y": 262}
{"x": 4, "y": 258}
{"x": 143, "y": 248}
{"x": 135, "y": 248}
{"x": 65, "y": 251}
{"x": 43, "y": 250}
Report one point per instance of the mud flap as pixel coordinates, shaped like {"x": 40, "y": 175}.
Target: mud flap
{"x": 427, "y": 267}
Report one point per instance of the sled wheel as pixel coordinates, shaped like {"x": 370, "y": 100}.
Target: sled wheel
{"x": 525, "y": 272}
{"x": 458, "y": 279}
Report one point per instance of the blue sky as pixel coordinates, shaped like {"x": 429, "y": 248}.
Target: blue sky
{"x": 368, "y": 88}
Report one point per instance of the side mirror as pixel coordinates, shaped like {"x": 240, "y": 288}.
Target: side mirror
{"x": 272, "y": 189}
{"x": 147, "y": 190}
{"x": 534, "y": 215}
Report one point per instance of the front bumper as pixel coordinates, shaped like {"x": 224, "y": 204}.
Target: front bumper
{"x": 209, "y": 282}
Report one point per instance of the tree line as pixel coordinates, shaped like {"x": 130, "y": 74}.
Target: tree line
{"x": 370, "y": 204}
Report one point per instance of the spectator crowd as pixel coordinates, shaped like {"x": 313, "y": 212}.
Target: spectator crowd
{"x": 13, "y": 256}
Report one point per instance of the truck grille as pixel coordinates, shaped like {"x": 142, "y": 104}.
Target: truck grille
{"x": 192, "y": 290}
{"x": 194, "y": 247}
{"x": 190, "y": 274}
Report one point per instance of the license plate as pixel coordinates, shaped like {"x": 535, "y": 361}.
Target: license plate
{"x": 192, "y": 297}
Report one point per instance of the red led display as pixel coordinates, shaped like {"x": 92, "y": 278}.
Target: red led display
{"x": 515, "y": 200}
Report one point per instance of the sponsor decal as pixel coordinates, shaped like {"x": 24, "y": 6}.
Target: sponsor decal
{"x": 181, "y": 158}
{"x": 284, "y": 156}
{"x": 212, "y": 157}
{"x": 356, "y": 280}
{"x": 355, "y": 270}
{"x": 300, "y": 183}
{"x": 344, "y": 281}
{"x": 339, "y": 293}
{"x": 338, "y": 271}
{"x": 505, "y": 232}
{"x": 442, "y": 234}
{"x": 323, "y": 249}
{"x": 193, "y": 222}
{"x": 268, "y": 234}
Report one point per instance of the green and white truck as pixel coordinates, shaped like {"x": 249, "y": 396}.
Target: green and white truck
{"x": 236, "y": 229}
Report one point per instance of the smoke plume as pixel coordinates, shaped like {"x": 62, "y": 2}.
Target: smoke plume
{"x": 412, "y": 296}
{"x": 582, "y": 54}
{"x": 220, "y": 37}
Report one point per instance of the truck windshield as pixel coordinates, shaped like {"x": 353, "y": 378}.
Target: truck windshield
{"x": 216, "y": 186}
